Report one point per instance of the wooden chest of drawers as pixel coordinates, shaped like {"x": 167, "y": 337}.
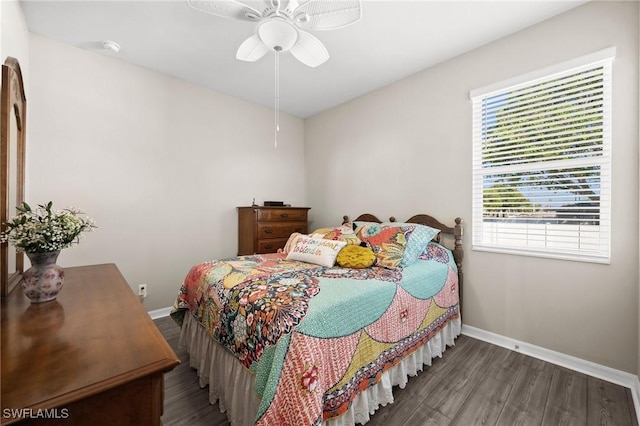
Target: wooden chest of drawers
{"x": 267, "y": 229}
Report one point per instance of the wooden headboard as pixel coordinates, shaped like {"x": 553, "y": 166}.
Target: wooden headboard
{"x": 425, "y": 219}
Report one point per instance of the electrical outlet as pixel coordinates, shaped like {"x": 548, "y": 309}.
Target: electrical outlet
{"x": 142, "y": 290}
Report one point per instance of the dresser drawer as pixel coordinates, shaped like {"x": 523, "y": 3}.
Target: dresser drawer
{"x": 280, "y": 230}
{"x": 281, "y": 215}
{"x": 270, "y": 246}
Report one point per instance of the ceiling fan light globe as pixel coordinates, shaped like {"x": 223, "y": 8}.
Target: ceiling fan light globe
{"x": 276, "y": 33}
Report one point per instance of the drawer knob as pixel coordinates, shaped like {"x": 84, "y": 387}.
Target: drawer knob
{"x": 268, "y": 246}
{"x": 298, "y": 229}
{"x": 284, "y": 215}
{"x": 268, "y": 231}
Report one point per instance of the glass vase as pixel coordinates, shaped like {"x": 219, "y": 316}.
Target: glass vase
{"x": 43, "y": 281}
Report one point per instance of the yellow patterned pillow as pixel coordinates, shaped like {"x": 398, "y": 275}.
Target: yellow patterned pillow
{"x": 356, "y": 257}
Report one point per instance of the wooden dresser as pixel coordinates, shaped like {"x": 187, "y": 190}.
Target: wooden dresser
{"x": 267, "y": 229}
{"x": 91, "y": 357}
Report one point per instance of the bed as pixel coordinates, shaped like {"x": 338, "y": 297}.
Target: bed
{"x": 280, "y": 341}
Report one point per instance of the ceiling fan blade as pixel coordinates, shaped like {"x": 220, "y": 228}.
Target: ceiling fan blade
{"x": 226, "y": 9}
{"x": 327, "y": 14}
{"x": 251, "y": 49}
{"x": 309, "y": 50}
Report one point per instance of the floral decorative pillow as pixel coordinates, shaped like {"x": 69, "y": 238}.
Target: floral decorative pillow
{"x": 342, "y": 233}
{"x": 315, "y": 250}
{"x": 387, "y": 242}
{"x": 418, "y": 236}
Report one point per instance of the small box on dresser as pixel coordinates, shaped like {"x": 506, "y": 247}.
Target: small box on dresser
{"x": 267, "y": 229}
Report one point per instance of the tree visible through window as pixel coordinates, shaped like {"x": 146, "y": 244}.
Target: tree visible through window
{"x": 541, "y": 165}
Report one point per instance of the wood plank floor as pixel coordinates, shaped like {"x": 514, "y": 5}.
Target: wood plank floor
{"x": 475, "y": 383}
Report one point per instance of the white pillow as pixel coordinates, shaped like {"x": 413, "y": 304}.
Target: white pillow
{"x": 290, "y": 242}
{"x": 315, "y": 250}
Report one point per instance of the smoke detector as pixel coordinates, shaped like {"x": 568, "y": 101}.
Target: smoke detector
{"x": 111, "y": 45}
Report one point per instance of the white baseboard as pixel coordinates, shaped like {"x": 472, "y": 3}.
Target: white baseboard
{"x": 160, "y": 313}
{"x": 609, "y": 374}
{"x": 635, "y": 392}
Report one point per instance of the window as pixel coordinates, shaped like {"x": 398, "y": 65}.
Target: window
{"x": 541, "y": 162}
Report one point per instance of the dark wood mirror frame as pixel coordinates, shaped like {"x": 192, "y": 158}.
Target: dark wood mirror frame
{"x": 13, "y": 104}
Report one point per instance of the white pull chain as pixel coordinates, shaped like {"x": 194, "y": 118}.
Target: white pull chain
{"x": 277, "y": 98}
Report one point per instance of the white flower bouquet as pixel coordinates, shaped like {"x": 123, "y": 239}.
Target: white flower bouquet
{"x": 44, "y": 229}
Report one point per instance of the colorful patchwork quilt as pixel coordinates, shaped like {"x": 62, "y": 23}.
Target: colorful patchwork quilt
{"x": 314, "y": 336}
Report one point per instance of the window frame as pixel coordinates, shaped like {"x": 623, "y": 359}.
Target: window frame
{"x": 603, "y": 58}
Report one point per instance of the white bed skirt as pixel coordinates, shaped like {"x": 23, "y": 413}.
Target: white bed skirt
{"x": 232, "y": 385}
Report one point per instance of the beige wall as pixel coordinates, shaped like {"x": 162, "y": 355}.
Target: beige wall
{"x": 406, "y": 149}
{"x": 14, "y": 42}
{"x": 14, "y": 35}
{"x": 160, "y": 164}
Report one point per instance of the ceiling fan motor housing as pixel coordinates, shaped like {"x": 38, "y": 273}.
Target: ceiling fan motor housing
{"x": 277, "y": 34}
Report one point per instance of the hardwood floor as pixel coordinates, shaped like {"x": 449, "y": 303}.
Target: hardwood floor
{"x": 475, "y": 383}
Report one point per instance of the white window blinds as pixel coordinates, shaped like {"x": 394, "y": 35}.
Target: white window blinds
{"x": 541, "y": 163}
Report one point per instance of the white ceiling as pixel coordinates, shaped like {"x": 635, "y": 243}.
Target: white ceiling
{"x": 392, "y": 40}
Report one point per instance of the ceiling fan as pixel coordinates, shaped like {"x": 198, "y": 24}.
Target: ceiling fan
{"x": 281, "y": 25}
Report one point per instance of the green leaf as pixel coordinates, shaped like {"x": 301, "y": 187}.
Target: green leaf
{"x": 24, "y": 208}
